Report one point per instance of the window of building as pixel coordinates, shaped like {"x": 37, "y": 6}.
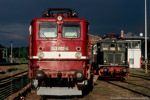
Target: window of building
{"x": 131, "y": 60}
{"x": 134, "y": 44}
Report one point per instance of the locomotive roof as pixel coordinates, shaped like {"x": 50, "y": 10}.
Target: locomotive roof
{"x": 66, "y": 14}
{"x": 55, "y": 19}
{"x": 111, "y": 40}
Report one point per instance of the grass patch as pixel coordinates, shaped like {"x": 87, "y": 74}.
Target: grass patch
{"x": 18, "y": 69}
{"x": 21, "y": 60}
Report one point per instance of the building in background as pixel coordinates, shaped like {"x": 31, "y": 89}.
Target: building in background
{"x": 134, "y": 49}
{"x": 94, "y": 39}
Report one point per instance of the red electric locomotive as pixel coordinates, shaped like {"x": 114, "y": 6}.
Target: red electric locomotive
{"x": 59, "y": 53}
{"x": 110, "y": 54}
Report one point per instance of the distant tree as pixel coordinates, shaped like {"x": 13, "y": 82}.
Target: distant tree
{"x": 25, "y": 52}
{"x": 19, "y": 52}
{"x": 15, "y": 52}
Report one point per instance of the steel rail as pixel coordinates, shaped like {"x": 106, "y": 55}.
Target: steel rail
{"x": 7, "y": 77}
{"x": 126, "y": 88}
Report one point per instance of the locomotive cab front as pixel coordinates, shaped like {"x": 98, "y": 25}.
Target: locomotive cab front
{"x": 112, "y": 58}
{"x": 59, "y": 54}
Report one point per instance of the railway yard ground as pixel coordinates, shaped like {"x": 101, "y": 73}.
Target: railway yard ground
{"x": 8, "y": 70}
{"x": 136, "y": 87}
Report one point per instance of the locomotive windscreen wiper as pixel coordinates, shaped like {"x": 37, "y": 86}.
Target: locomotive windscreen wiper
{"x": 48, "y": 30}
{"x": 44, "y": 35}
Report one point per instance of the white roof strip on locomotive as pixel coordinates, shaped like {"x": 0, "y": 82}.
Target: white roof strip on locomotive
{"x": 59, "y": 55}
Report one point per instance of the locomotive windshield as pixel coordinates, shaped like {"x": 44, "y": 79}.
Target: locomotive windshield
{"x": 113, "y": 46}
{"x": 71, "y": 30}
{"x": 48, "y": 30}
{"x": 113, "y": 52}
{"x": 105, "y": 46}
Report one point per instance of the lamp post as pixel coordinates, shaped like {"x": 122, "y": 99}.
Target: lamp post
{"x": 145, "y": 36}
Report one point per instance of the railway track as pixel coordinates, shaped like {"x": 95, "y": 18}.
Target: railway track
{"x": 140, "y": 76}
{"x": 10, "y": 64}
{"x": 136, "y": 86}
{"x": 132, "y": 87}
{"x": 146, "y": 87}
{"x": 12, "y": 84}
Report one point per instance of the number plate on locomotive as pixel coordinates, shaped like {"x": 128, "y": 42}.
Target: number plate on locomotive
{"x": 59, "y": 48}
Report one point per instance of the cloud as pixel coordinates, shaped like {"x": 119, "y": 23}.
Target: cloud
{"x": 103, "y": 15}
{"x": 14, "y": 32}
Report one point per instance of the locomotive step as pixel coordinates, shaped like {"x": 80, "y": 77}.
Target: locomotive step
{"x": 59, "y": 91}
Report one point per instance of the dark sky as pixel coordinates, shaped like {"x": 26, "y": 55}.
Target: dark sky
{"x": 104, "y": 16}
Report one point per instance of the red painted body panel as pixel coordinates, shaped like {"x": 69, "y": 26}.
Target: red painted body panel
{"x": 51, "y": 65}
{"x": 46, "y": 46}
{"x": 113, "y": 71}
{"x": 60, "y": 65}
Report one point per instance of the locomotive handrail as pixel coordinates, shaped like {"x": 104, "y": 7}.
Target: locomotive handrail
{"x": 50, "y": 11}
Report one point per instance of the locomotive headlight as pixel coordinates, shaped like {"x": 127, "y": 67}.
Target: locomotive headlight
{"x": 79, "y": 75}
{"x": 105, "y": 61}
{"x": 40, "y": 54}
{"x": 78, "y": 55}
{"x": 105, "y": 70}
{"x": 124, "y": 70}
{"x": 40, "y": 75}
{"x": 59, "y": 18}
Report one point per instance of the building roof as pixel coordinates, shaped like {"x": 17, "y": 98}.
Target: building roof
{"x": 94, "y": 38}
{"x": 132, "y": 36}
